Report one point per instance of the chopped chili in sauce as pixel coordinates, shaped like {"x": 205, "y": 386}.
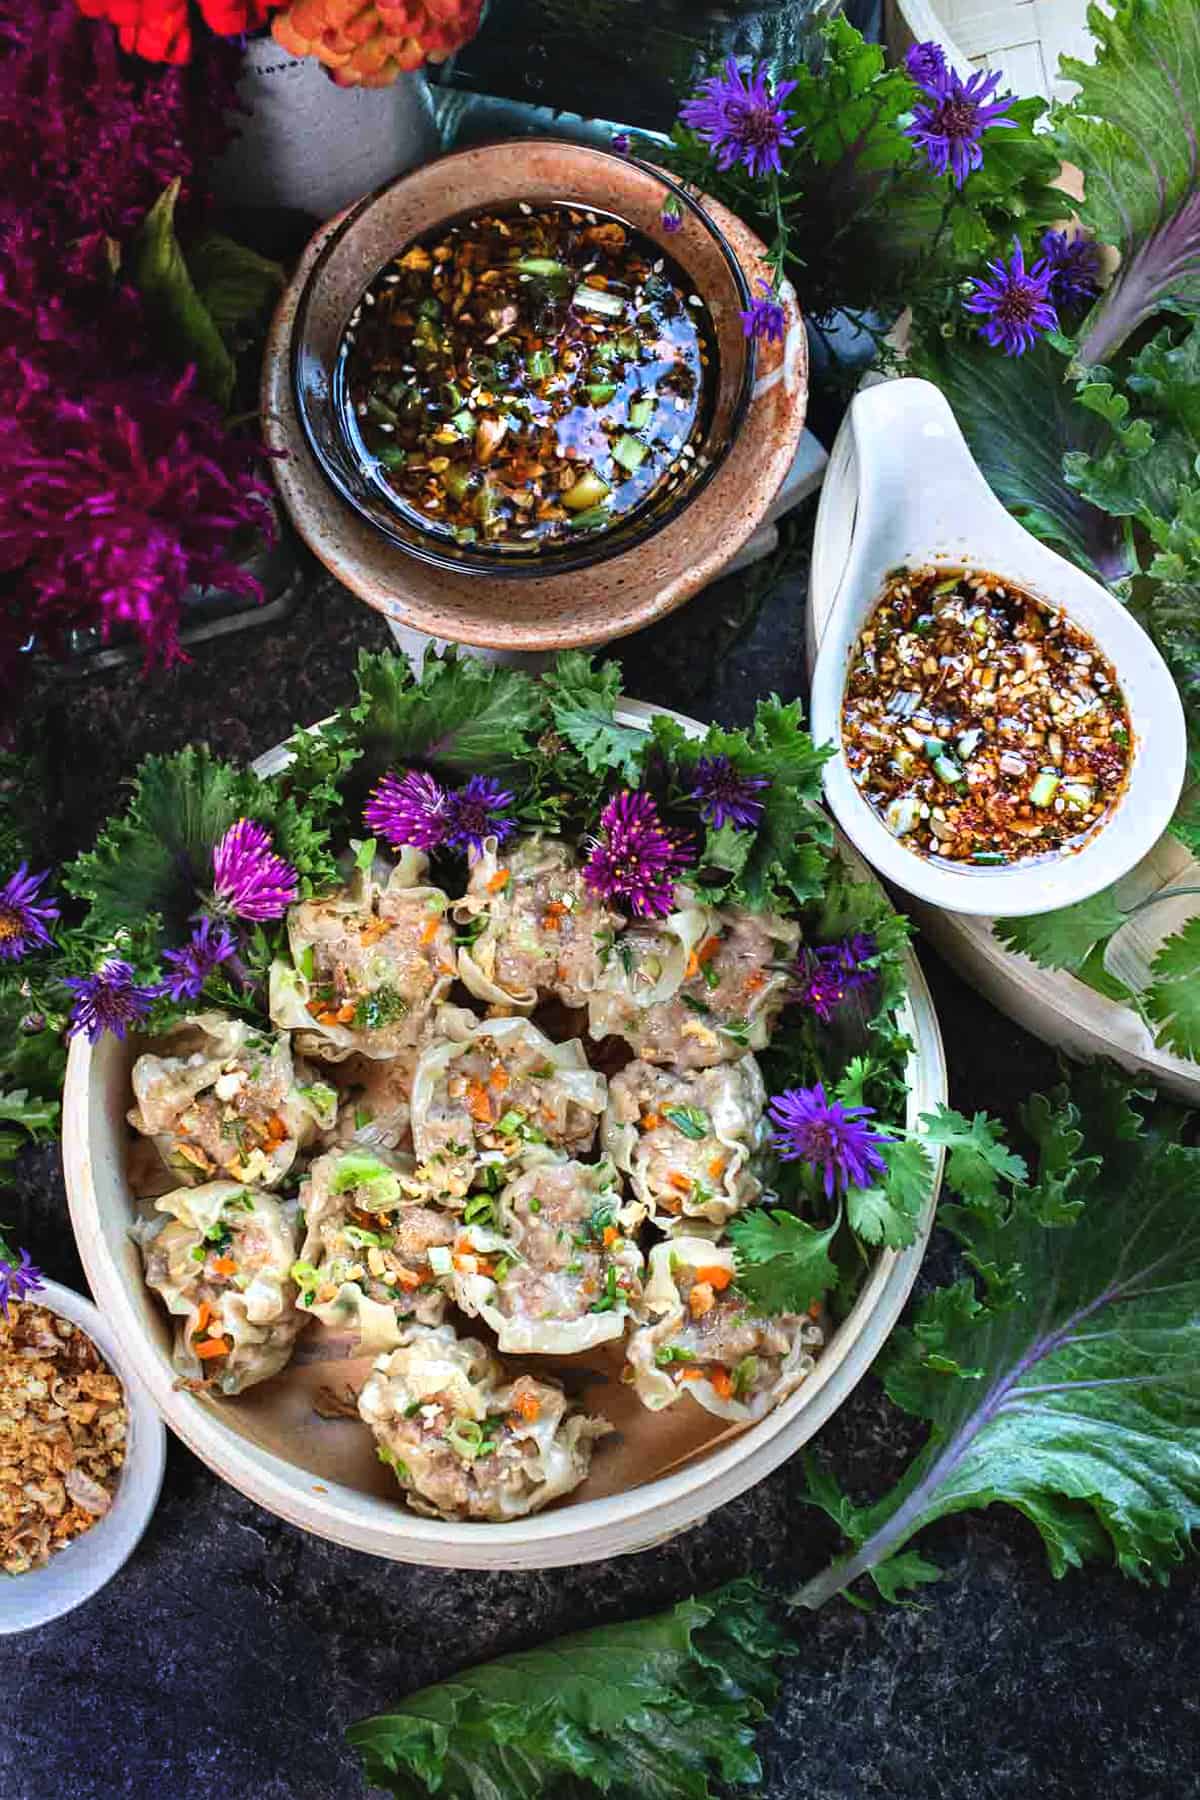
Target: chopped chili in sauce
{"x": 982, "y": 725}
{"x": 528, "y": 376}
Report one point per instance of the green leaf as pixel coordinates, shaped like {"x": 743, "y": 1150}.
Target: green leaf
{"x": 979, "y": 1164}
{"x": 1064, "y": 1381}
{"x": 155, "y": 859}
{"x": 906, "y": 1570}
{"x": 850, "y": 107}
{"x": 235, "y": 284}
{"x": 783, "y": 1263}
{"x": 582, "y": 699}
{"x": 658, "y": 1707}
{"x": 1020, "y": 417}
{"x": 1173, "y": 998}
{"x": 1131, "y": 129}
{"x": 462, "y": 718}
{"x": 889, "y": 1213}
{"x": 1067, "y": 937}
{"x": 160, "y": 272}
{"x": 32, "y": 1116}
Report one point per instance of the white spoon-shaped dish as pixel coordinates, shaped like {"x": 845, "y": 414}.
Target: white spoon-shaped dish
{"x": 911, "y": 493}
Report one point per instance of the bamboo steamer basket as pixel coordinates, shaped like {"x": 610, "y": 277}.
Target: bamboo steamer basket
{"x": 1050, "y": 1003}
{"x": 665, "y": 1472}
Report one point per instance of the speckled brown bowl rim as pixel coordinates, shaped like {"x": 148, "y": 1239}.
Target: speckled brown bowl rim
{"x": 577, "y": 608}
{"x": 644, "y": 522}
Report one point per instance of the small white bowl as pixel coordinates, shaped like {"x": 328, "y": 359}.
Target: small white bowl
{"x": 905, "y": 489}
{"x": 80, "y": 1570}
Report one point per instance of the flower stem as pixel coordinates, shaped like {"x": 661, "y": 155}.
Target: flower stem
{"x": 1169, "y": 893}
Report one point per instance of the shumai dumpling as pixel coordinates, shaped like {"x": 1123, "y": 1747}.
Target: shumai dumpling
{"x": 492, "y": 1087}
{"x": 706, "y": 1342}
{"x": 221, "y": 1260}
{"x": 375, "y": 1096}
{"x": 464, "y": 1442}
{"x": 568, "y": 1273}
{"x": 686, "y": 1140}
{"x": 539, "y": 929}
{"x": 369, "y": 964}
{"x": 365, "y": 1264}
{"x": 733, "y": 989}
{"x": 228, "y": 1102}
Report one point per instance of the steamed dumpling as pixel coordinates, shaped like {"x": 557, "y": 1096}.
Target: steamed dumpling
{"x": 375, "y": 1097}
{"x": 369, "y": 964}
{"x": 221, "y": 1259}
{"x": 568, "y": 1273}
{"x": 734, "y": 986}
{"x": 365, "y": 1264}
{"x": 706, "y": 1342}
{"x": 489, "y": 1088}
{"x": 539, "y": 928}
{"x": 467, "y": 1444}
{"x": 645, "y": 966}
{"x": 686, "y": 1140}
{"x": 228, "y": 1102}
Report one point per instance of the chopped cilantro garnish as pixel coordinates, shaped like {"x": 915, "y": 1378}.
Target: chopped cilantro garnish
{"x": 694, "y": 1005}
{"x": 479, "y": 1210}
{"x": 380, "y": 1009}
{"x": 361, "y": 1117}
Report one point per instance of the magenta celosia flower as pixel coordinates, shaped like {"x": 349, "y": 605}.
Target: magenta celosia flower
{"x": 408, "y": 809}
{"x": 188, "y": 969}
{"x": 741, "y": 120}
{"x": 764, "y": 317}
{"x": 949, "y": 124}
{"x": 833, "y": 1139}
{"x": 1074, "y": 265}
{"x": 1015, "y": 305}
{"x": 17, "y": 1279}
{"x": 250, "y": 879}
{"x": 25, "y": 915}
{"x": 475, "y": 812}
{"x": 727, "y": 797}
{"x": 110, "y": 1000}
{"x": 826, "y": 975}
{"x": 635, "y": 859}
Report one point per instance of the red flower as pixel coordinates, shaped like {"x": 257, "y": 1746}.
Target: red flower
{"x": 160, "y": 30}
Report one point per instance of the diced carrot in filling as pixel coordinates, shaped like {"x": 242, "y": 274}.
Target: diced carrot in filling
{"x": 528, "y": 1406}
{"x": 722, "y": 1383}
{"x": 202, "y": 1318}
{"x": 211, "y": 1347}
{"x": 497, "y": 881}
{"x": 716, "y": 1275}
{"x": 224, "y": 1265}
{"x": 478, "y": 1103}
{"x": 430, "y": 929}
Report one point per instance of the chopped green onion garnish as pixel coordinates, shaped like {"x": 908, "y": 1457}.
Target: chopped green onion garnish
{"x": 629, "y": 452}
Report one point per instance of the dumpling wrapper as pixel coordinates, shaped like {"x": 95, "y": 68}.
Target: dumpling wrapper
{"x": 686, "y": 1140}
{"x": 645, "y": 966}
{"x": 464, "y": 1442}
{"x": 369, "y": 964}
{"x": 229, "y": 1103}
{"x": 568, "y": 1274}
{"x": 365, "y": 1266}
{"x": 734, "y": 985}
{"x": 489, "y": 1088}
{"x": 251, "y": 1305}
{"x": 705, "y": 1342}
{"x": 542, "y": 927}
{"x": 375, "y": 1110}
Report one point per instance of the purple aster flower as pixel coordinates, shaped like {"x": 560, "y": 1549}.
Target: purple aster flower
{"x": 926, "y": 63}
{"x": 24, "y": 918}
{"x": 210, "y": 945}
{"x": 727, "y": 797}
{"x": 109, "y": 1000}
{"x": 1074, "y": 265}
{"x": 950, "y": 122}
{"x": 741, "y": 120}
{"x": 828, "y": 1136}
{"x": 407, "y": 809}
{"x": 1015, "y": 305}
{"x": 249, "y": 879}
{"x": 826, "y": 975}
{"x": 17, "y": 1280}
{"x": 764, "y": 317}
{"x": 635, "y": 858}
{"x": 475, "y": 812}
{"x": 671, "y": 218}
{"x": 622, "y": 143}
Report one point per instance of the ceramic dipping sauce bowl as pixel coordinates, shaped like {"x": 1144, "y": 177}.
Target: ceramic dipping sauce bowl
{"x": 615, "y": 581}
{"x": 903, "y": 489}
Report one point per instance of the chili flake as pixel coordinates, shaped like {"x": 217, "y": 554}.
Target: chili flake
{"x": 981, "y": 724}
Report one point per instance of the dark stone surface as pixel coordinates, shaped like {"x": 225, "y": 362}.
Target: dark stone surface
{"x": 230, "y": 1654}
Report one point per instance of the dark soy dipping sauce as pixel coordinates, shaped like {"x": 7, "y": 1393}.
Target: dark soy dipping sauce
{"x": 518, "y": 379}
